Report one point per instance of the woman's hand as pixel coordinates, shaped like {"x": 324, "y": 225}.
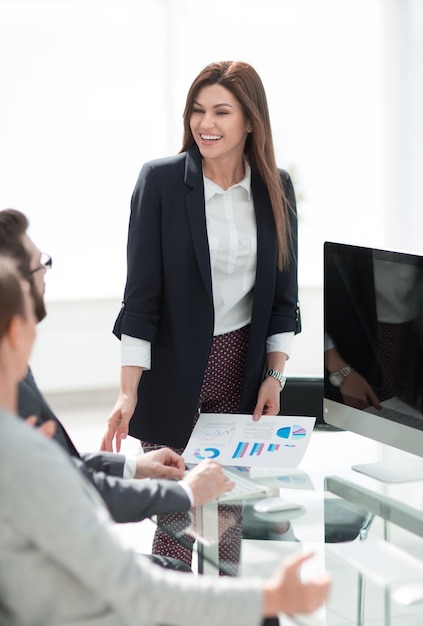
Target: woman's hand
{"x": 269, "y": 395}
{"x": 118, "y": 422}
{"x": 268, "y": 399}
{"x": 285, "y": 592}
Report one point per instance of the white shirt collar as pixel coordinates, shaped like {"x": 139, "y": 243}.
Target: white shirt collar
{"x": 211, "y": 188}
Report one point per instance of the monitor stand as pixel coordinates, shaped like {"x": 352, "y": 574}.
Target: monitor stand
{"x": 393, "y": 472}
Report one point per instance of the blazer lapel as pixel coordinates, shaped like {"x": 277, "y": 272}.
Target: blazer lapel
{"x": 196, "y": 213}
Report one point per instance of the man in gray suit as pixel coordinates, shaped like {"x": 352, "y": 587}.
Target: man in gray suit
{"x": 59, "y": 559}
{"x": 127, "y": 500}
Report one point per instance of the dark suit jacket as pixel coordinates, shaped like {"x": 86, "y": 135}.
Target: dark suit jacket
{"x": 127, "y": 500}
{"x": 32, "y": 402}
{"x": 168, "y": 295}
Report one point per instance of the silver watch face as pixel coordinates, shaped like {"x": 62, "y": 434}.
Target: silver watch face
{"x": 336, "y": 379}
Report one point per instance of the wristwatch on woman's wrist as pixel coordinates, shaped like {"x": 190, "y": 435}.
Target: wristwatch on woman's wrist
{"x": 275, "y": 374}
{"x": 337, "y": 378}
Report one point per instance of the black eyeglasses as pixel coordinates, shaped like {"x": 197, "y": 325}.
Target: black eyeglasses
{"x": 46, "y": 263}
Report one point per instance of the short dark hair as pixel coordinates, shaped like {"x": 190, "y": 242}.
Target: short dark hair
{"x": 12, "y": 301}
{"x": 13, "y": 226}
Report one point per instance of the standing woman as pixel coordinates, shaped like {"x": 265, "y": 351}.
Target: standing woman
{"x": 210, "y": 306}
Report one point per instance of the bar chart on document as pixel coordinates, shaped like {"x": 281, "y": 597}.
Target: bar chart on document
{"x": 234, "y": 439}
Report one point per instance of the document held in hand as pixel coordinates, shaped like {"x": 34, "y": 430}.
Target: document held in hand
{"x": 233, "y": 439}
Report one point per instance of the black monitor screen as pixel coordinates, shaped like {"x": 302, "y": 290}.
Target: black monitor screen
{"x": 373, "y": 317}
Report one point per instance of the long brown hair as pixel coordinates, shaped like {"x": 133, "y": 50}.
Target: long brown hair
{"x": 245, "y": 84}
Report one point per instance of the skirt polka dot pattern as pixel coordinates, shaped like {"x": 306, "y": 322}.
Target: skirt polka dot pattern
{"x": 220, "y": 393}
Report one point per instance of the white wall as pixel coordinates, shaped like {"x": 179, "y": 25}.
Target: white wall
{"x": 404, "y": 134}
{"x": 93, "y": 88}
{"x": 75, "y": 349}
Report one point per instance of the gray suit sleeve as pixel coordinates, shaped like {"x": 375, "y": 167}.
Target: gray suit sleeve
{"x": 131, "y": 500}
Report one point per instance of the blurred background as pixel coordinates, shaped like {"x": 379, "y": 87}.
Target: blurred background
{"x": 90, "y": 90}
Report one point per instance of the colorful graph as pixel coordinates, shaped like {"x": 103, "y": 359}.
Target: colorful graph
{"x": 206, "y": 453}
{"x": 240, "y": 450}
{"x": 284, "y": 432}
{"x": 296, "y": 432}
{"x": 256, "y": 449}
{"x": 253, "y": 449}
{"x": 217, "y": 435}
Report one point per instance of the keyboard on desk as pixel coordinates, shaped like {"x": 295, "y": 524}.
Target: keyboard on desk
{"x": 381, "y": 561}
{"x": 244, "y": 487}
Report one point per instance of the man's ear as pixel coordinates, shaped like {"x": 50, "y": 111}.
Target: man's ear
{"x": 14, "y": 333}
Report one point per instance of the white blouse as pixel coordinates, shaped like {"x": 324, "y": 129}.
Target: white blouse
{"x": 232, "y": 236}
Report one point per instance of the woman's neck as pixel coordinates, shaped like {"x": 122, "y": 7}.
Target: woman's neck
{"x": 224, "y": 174}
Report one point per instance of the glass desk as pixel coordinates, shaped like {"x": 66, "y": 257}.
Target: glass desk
{"x": 338, "y": 505}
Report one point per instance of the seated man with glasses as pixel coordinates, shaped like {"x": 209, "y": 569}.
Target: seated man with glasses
{"x": 127, "y": 500}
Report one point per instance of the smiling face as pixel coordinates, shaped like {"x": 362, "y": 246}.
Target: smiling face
{"x": 218, "y": 124}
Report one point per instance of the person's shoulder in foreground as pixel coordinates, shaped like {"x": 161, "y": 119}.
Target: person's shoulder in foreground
{"x": 58, "y": 545}
{"x": 56, "y": 542}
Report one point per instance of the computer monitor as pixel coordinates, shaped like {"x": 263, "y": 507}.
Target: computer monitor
{"x": 373, "y": 323}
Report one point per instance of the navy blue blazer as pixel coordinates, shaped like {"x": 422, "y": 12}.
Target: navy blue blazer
{"x": 168, "y": 295}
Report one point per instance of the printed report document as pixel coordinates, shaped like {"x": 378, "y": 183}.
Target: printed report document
{"x": 235, "y": 439}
